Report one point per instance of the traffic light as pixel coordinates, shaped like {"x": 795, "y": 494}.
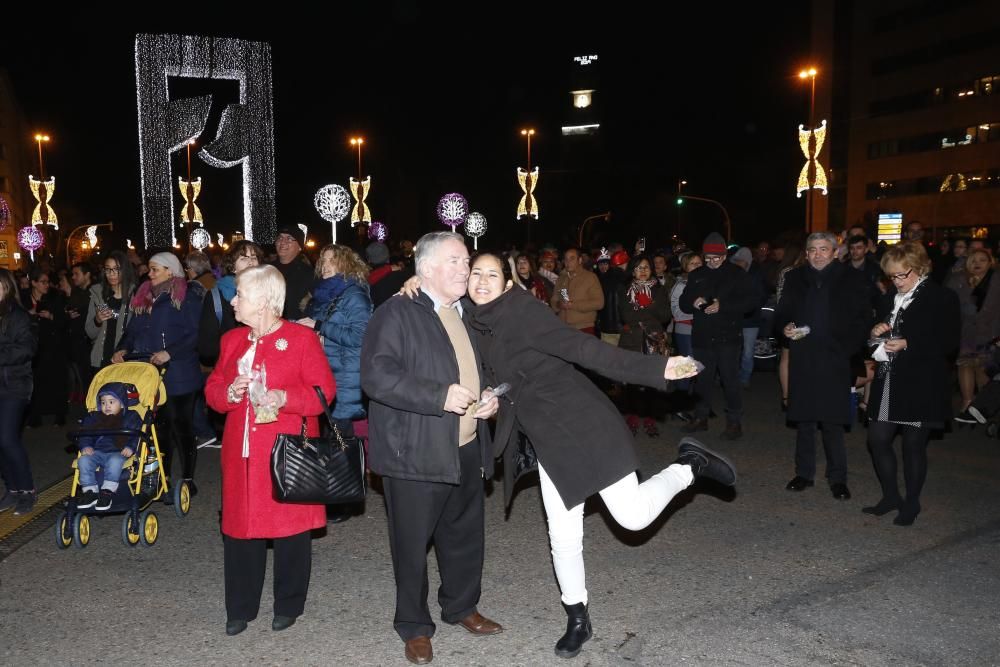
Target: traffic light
{"x": 680, "y": 200}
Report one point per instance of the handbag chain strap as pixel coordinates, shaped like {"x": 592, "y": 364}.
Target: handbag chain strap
{"x": 329, "y": 419}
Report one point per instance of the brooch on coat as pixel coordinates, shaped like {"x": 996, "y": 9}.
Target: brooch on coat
{"x": 281, "y": 344}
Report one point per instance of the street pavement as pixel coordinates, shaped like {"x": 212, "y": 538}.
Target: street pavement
{"x": 762, "y": 576}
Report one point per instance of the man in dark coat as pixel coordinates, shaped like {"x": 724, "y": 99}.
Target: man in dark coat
{"x": 430, "y": 442}
{"x": 611, "y": 274}
{"x": 295, "y": 269}
{"x": 718, "y": 294}
{"x": 832, "y": 300}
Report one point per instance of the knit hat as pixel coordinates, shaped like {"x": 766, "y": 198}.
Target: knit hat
{"x": 714, "y": 244}
{"x": 123, "y": 393}
{"x": 742, "y": 255}
{"x": 620, "y": 258}
{"x": 168, "y": 261}
{"x": 377, "y": 253}
{"x": 294, "y": 231}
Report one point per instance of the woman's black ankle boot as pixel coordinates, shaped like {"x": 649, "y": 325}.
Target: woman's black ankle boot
{"x": 577, "y": 631}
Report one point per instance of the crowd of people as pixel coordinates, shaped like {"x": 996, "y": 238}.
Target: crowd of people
{"x": 597, "y": 345}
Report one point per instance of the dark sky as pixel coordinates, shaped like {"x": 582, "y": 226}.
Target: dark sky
{"x": 704, "y": 94}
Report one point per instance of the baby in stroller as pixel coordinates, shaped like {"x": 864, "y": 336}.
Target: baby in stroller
{"x": 107, "y": 452}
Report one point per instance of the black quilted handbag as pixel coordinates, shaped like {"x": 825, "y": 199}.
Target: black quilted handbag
{"x": 325, "y": 470}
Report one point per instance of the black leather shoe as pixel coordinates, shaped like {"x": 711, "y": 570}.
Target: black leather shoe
{"x": 235, "y": 627}
{"x": 799, "y": 484}
{"x": 882, "y": 507}
{"x": 282, "y": 622}
{"x": 705, "y": 463}
{"x": 840, "y": 491}
{"x": 578, "y": 631}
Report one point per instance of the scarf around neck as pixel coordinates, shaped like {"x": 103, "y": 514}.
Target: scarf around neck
{"x": 147, "y": 294}
{"x": 640, "y": 293}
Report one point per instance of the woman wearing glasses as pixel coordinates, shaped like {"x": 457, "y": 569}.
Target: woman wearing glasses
{"x": 107, "y": 314}
{"x": 919, "y": 330}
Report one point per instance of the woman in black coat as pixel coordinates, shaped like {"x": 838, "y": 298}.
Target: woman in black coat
{"x": 643, "y": 309}
{"x": 911, "y": 393}
{"x": 582, "y": 444}
{"x": 47, "y": 307}
{"x": 17, "y": 348}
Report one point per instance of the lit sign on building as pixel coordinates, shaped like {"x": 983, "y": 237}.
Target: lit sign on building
{"x": 585, "y": 60}
{"x": 890, "y": 227}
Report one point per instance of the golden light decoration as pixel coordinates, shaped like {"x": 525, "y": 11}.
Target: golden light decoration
{"x": 812, "y": 159}
{"x": 360, "y": 212}
{"x": 43, "y": 191}
{"x": 528, "y": 205}
{"x": 190, "y": 213}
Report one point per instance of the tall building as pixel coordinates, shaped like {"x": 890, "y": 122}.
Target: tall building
{"x": 13, "y": 171}
{"x": 910, "y": 88}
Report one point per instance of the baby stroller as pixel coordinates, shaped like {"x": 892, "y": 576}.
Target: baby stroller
{"x": 142, "y": 481}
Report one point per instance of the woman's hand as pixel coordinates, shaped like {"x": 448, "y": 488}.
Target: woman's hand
{"x": 238, "y": 389}
{"x": 103, "y": 315}
{"x": 680, "y": 368}
{"x": 880, "y": 329}
{"x": 307, "y": 322}
{"x": 44, "y": 313}
{"x": 410, "y": 287}
{"x": 127, "y": 452}
{"x": 276, "y": 398}
{"x": 118, "y": 357}
{"x": 160, "y": 358}
{"x": 895, "y": 345}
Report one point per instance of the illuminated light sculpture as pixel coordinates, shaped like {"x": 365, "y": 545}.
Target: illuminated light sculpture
{"x": 43, "y": 191}
{"x": 528, "y": 205}
{"x": 812, "y": 153}
{"x": 222, "y": 242}
{"x": 475, "y": 226}
{"x": 128, "y": 243}
{"x": 4, "y": 214}
{"x": 377, "y": 231}
{"x": 30, "y": 239}
{"x": 452, "y": 210}
{"x": 200, "y": 238}
{"x": 360, "y": 212}
{"x": 305, "y": 235}
{"x": 332, "y": 203}
{"x": 92, "y": 235}
{"x": 245, "y": 136}
{"x": 190, "y": 213}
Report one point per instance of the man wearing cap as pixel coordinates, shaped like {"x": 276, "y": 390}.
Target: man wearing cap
{"x": 718, "y": 294}
{"x": 612, "y": 282}
{"x": 577, "y": 295}
{"x": 547, "y": 266}
{"x": 295, "y": 268}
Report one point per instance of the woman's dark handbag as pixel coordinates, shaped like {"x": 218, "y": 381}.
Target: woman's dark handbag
{"x": 324, "y": 470}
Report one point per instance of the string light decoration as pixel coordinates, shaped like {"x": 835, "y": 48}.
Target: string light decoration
{"x": 812, "y": 159}
{"x": 43, "y": 192}
{"x": 4, "y": 214}
{"x": 528, "y": 205}
{"x": 452, "y": 210}
{"x": 475, "y": 226}
{"x": 361, "y": 212}
{"x": 377, "y": 231}
{"x": 200, "y": 238}
{"x": 245, "y": 137}
{"x": 30, "y": 239}
{"x": 332, "y": 203}
{"x": 190, "y": 213}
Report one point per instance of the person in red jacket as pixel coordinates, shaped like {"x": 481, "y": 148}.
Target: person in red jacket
{"x": 286, "y": 360}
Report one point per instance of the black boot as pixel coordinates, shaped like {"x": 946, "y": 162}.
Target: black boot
{"x": 577, "y": 631}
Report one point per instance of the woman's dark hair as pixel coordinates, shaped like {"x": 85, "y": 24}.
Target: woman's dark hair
{"x": 634, "y": 262}
{"x": 10, "y": 299}
{"x": 36, "y": 272}
{"x": 239, "y": 249}
{"x": 532, "y": 265}
{"x": 126, "y": 276}
{"x": 502, "y": 259}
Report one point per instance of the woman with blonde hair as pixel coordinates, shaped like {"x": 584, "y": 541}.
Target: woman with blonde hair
{"x": 979, "y": 301}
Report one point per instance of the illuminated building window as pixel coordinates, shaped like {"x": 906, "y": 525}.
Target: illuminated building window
{"x": 931, "y": 141}
{"x": 582, "y": 98}
{"x": 956, "y": 92}
{"x": 938, "y": 184}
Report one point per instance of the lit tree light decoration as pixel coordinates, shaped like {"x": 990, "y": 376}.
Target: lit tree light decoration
{"x": 811, "y": 159}
{"x": 377, "y": 231}
{"x": 452, "y": 210}
{"x": 361, "y": 212}
{"x": 43, "y": 192}
{"x": 528, "y": 205}
{"x": 30, "y": 239}
{"x": 332, "y": 203}
{"x": 4, "y": 214}
{"x": 475, "y": 226}
{"x": 245, "y": 137}
{"x": 200, "y": 238}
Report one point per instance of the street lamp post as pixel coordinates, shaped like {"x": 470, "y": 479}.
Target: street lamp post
{"x": 358, "y": 141}
{"x": 725, "y": 213}
{"x": 39, "y": 138}
{"x": 69, "y": 237}
{"x": 811, "y": 75}
{"x": 528, "y": 186}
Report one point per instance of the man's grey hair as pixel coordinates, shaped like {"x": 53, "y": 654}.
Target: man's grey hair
{"x": 822, "y": 236}
{"x": 198, "y": 262}
{"x": 428, "y": 244}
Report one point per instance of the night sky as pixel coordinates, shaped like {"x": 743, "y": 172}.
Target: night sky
{"x": 701, "y": 94}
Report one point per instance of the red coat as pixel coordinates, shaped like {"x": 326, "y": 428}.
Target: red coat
{"x": 249, "y": 510}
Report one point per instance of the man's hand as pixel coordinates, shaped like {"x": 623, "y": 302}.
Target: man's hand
{"x": 699, "y": 302}
{"x": 488, "y": 405}
{"x": 712, "y": 308}
{"x": 459, "y": 399}
{"x": 895, "y": 345}
{"x": 565, "y": 305}
{"x": 127, "y": 452}
{"x": 118, "y": 357}
{"x": 880, "y": 329}
{"x": 87, "y": 451}
{"x": 160, "y": 358}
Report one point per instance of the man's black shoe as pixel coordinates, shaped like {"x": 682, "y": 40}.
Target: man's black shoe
{"x": 799, "y": 484}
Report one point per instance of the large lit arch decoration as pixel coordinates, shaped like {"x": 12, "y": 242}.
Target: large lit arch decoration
{"x": 245, "y": 136}
{"x": 528, "y": 205}
{"x": 43, "y": 191}
{"x": 812, "y": 159}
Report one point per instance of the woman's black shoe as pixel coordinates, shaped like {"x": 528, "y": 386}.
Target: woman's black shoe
{"x": 235, "y": 627}
{"x": 578, "y": 631}
{"x": 882, "y": 507}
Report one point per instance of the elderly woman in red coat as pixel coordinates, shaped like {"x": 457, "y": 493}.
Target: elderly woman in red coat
{"x": 288, "y": 360}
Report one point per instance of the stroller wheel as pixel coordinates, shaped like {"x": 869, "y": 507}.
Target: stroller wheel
{"x": 150, "y": 527}
{"x": 81, "y": 530}
{"x": 130, "y": 529}
{"x": 64, "y": 532}
{"x": 182, "y": 498}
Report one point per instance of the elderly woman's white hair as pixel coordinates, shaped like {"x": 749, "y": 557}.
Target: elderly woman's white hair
{"x": 262, "y": 285}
